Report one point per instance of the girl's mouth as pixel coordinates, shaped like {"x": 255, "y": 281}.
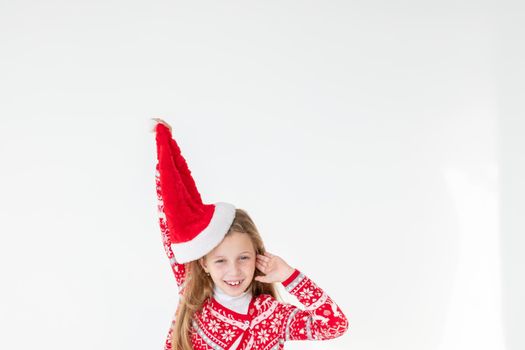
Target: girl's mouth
{"x": 234, "y": 283}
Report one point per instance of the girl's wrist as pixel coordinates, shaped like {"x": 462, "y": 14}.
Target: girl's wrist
{"x": 291, "y": 271}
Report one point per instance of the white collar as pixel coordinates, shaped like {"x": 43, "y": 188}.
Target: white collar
{"x": 238, "y": 303}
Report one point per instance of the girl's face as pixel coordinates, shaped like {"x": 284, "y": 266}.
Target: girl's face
{"x": 231, "y": 264}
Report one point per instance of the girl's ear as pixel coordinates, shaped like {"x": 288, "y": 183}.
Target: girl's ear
{"x": 203, "y": 264}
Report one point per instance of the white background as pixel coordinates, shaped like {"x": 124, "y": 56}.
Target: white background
{"x": 378, "y": 147}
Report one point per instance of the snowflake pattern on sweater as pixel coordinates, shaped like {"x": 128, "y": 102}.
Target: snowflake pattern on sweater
{"x": 268, "y": 323}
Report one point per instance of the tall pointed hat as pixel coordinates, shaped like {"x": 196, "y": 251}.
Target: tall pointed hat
{"x": 194, "y": 228}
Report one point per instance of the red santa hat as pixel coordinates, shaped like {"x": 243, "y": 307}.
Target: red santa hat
{"x": 194, "y": 228}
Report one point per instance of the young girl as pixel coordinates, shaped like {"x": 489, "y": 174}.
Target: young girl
{"x": 227, "y": 297}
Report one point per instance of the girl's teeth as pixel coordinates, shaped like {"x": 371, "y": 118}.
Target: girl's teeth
{"x": 233, "y": 283}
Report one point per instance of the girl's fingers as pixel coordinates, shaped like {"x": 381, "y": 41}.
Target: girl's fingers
{"x": 265, "y": 263}
{"x": 262, "y": 264}
{"x": 263, "y": 257}
{"x": 159, "y": 120}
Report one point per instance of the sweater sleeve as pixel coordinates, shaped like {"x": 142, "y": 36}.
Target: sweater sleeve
{"x": 179, "y": 270}
{"x": 322, "y": 319}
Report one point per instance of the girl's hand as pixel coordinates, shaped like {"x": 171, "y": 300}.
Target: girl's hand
{"x": 274, "y": 268}
{"x": 158, "y": 120}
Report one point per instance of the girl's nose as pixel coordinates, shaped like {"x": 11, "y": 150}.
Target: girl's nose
{"x": 235, "y": 268}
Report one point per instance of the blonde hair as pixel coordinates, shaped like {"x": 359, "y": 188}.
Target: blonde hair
{"x": 199, "y": 286}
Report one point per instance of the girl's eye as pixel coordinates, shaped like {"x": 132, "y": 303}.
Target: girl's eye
{"x": 219, "y": 261}
{"x": 245, "y": 257}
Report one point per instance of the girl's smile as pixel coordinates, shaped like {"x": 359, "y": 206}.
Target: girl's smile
{"x": 234, "y": 283}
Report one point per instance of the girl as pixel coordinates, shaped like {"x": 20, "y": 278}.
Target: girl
{"x": 227, "y": 297}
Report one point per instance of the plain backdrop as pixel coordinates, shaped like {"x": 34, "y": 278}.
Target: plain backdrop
{"x": 378, "y": 146}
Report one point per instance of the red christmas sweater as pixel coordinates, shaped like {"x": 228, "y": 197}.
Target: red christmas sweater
{"x": 268, "y": 323}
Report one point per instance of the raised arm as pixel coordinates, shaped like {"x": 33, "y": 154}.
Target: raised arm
{"x": 322, "y": 319}
{"x": 179, "y": 270}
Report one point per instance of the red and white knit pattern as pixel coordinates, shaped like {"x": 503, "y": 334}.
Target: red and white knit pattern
{"x": 268, "y": 323}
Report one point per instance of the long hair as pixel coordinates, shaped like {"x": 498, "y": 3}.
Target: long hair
{"x": 199, "y": 286}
